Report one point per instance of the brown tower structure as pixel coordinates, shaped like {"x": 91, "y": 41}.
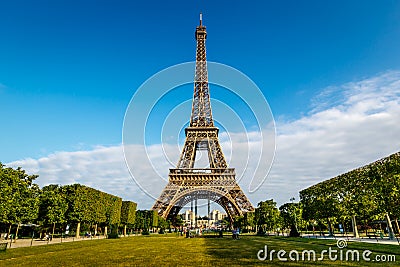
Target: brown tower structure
{"x": 217, "y": 182}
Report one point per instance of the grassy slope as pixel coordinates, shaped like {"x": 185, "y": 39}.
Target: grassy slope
{"x": 178, "y": 251}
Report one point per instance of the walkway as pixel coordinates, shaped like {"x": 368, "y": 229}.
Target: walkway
{"x": 37, "y": 242}
{"x": 377, "y": 240}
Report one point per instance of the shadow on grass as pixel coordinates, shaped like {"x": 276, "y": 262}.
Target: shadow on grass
{"x": 226, "y": 251}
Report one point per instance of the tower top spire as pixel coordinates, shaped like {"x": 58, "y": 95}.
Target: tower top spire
{"x": 201, "y": 106}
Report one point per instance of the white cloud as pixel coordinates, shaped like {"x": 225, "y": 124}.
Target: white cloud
{"x": 349, "y": 126}
{"x": 102, "y": 168}
{"x": 337, "y": 137}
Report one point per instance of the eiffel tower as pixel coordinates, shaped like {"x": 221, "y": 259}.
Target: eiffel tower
{"x": 217, "y": 182}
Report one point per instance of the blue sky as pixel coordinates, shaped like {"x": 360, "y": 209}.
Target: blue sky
{"x": 68, "y": 69}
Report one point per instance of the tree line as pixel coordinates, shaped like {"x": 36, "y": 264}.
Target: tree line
{"x": 76, "y": 208}
{"x": 69, "y": 208}
{"x": 364, "y": 198}
{"x": 370, "y": 194}
{"x": 268, "y": 218}
{"x": 354, "y": 200}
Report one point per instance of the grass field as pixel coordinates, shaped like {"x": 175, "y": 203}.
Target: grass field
{"x": 171, "y": 250}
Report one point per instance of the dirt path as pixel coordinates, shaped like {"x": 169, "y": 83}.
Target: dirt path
{"x": 37, "y": 242}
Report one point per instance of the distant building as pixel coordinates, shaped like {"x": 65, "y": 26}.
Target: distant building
{"x": 216, "y": 215}
{"x": 215, "y": 218}
{"x": 189, "y": 216}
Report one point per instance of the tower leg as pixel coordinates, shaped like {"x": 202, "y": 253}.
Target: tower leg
{"x": 195, "y": 213}
{"x": 208, "y": 213}
{"x": 191, "y": 214}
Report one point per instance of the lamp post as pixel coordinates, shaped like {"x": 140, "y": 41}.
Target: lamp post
{"x": 295, "y": 217}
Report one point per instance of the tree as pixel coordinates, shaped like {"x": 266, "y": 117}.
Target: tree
{"x": 128, "y": 214}
{"x": 92, "y": 206}
{"x": 239, "y": 222}
{"x": 19, "y": 197}
{"x": 113, "y": 211}
{"x": 146, "y": 219}
{"x": 162, "y": 224}
{"x": 320, "y": 202}
{"x": 154, "y": 217}
{"x": 176, "y": 221}
{"x": 267, "y": 216}
{"x": 142, "y": 222}
{"x": 291, "y": 214}
{"x": 249, "y": 220}
{"x": 53, "y": 205}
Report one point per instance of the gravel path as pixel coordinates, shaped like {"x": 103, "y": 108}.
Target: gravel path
{"x": 37, "y": 242}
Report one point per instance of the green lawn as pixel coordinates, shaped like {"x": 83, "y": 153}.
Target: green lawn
{"x": 170, "y": 250}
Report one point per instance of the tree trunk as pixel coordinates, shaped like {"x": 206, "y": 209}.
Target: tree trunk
{"x": 78, "y": 230}
{"x": 16, "y": 233}
{"x": 9, "y": 231}
{"x": 344, "y": 227}
{"x": 354, "y": 224}
{"x": 365, "y": 225}
{"x": 389, "y": 226}
{"x": 54, "y": 227}
{"x": 95, "y": 229}
{"x": 397, "y": 226}
{"x": 105, "y": 231}
{"x": 125, "y": 230}
{"x": 330, "y": 227}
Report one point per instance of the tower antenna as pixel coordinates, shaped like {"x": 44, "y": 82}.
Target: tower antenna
{"x": 201, "y": 18}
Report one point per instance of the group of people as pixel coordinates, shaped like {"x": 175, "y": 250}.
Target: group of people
{"x": 189, "y": 234}
{"x": 6, "y": 236}
{"x": 186, "y": 232}
{"x": 47, "y": 236}
{"x": 235, "y": 233}
{"x": 88, "y": 234}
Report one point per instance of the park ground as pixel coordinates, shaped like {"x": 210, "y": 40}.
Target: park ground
{"x": 173, "y": 250}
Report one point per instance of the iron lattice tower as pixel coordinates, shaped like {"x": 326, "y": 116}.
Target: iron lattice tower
{"x": 217, "y": 182}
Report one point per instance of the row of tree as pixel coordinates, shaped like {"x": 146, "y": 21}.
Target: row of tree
{"x": 268, "y": 218}
{"x": 370, "y": 193}
{"x": 23, "y": 202}
{"x": 19, "y": 196}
